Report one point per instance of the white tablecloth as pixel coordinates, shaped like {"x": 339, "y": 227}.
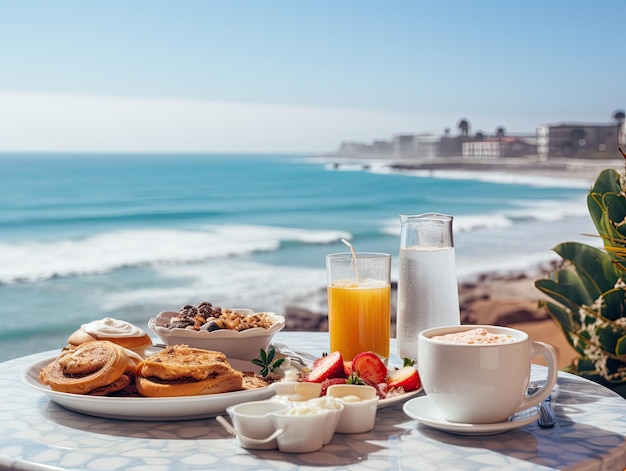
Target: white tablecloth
{"x": 36, "y": 433}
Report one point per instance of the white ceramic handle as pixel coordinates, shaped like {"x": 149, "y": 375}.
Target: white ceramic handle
{"x": 255, "y": 441}
{"x": 536, "y": 349}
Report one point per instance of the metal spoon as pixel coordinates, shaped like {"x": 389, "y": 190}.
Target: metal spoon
{"x": 546, "y": 415}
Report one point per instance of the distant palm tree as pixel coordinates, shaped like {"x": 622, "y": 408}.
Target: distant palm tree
{"x": 479, "y": 136}
{"x": 500, "y": 131}
{"x": 619, "y": 116}
{"x": 464, "y": 127}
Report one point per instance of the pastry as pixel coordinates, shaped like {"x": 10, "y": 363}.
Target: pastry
{"x": 91, "y": 368}
{"x": 183, "y": 371}
{"x": 120, "y": 332}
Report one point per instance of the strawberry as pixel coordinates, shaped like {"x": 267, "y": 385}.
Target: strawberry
{"x": 347, "y": 368}
{"x": 406, "y": 377}
{"x": 317, "y": 362}
{"x": 329, "y": 366}
{"x": 329, "y": 382}
{"x": 381, "y": 390}
{"x": 369, "y": 367}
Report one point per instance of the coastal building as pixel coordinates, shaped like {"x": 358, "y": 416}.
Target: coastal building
{"x": 452, "y": 146}
{"x": 416, "y": 146}
{"x": 377, "y": 149}
{"x": 569, "y": 140}
{"x": 500, "y": 146}
{"x": 580, "y": 140}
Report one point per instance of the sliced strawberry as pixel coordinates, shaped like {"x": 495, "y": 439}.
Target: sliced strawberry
{"x": 347, "y": 368}
{"x": 381, "y": 390}
{"x": 369, "y": 367}
{"x": 317, "y": 362}
{"x": 406, "y": 377}
{"x": 329, "y": 382}
{"x": 330, "y": 366}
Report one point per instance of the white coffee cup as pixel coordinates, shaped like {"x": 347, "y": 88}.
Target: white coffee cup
{"x": 478, "y": 383}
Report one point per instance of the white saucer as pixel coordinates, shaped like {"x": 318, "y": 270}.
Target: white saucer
{"x": 422, "y": 410}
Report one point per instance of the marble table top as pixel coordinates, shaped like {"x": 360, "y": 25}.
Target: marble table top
{"x": 36, "y": 433}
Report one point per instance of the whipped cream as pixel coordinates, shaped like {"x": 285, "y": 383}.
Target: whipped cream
{"x": 290, "y": 376}
{"x": 112, "y": 328}
{"x": 350, "y": 398}
{"x": 314, "y": 406}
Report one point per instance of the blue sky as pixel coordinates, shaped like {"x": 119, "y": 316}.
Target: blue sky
{"x": 298, "y": 76}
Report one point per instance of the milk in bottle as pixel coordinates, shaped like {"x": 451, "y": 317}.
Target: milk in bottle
{"x": 428, "y": 294}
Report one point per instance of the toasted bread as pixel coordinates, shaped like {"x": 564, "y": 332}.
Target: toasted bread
{"x": 154, "y": 387}
{"x": 183, "y": 371}
{"x": 180, "y": 362}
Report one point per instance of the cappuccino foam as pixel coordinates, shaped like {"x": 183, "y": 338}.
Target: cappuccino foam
{"x": 479, "y": 336}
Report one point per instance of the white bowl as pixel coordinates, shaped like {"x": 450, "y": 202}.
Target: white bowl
{"x": 305, "y": 433}
{"x": 357, "y": 416}
{"x": 253, "y": 423}
{"x": 297, "y": 391}
{"x": 242, "y": 345}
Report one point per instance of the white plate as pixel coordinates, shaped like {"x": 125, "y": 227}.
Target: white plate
{"x": 146, "y": 408}
{"x": 382, "y": 403}
{"x": 422, "y": 410}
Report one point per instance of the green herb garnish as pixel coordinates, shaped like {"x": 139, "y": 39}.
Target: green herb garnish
{"x": 408, "y": 362}
{"x": 265, "y": 361}
{"x": 355, "y": 379}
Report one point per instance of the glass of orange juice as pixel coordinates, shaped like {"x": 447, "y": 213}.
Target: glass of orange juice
{"x": 359, "y": 293}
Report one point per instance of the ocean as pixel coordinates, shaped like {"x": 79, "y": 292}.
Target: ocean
{"x": 129, "y": 235}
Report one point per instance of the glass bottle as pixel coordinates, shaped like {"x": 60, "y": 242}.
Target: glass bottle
{"x": 428, "y": 293}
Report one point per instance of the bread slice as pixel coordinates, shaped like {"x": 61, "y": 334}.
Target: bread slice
{"x": 181, "y": 362}
{"x": 183, "y": 371}
{"x": 154, "y": 387}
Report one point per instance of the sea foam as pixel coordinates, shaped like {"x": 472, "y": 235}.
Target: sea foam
{"x": 31, "y": 261}
{"x": 522, "y": 211}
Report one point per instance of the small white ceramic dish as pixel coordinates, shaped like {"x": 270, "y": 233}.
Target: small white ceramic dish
{"x": 295, "y": 391}
{"x": 333, "y": 408}
{"x": 305, "y": 432}
{"x": 360, "y": 404}
{"x": 423, "y": 410}
{"x": 243, "y": 345}
{"x": 254, "y": 425}
{"x": 291, "y": 391}
{"x": 293, "y": 427}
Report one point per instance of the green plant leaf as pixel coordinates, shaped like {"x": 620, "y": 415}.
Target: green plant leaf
{"x": 569, "y": 328}
{"x": 265, "y": 361}
{"x": 587, "y": 295}
{"x": 270, "y": 355}
{"x": 613, "y": 305}
{"x": 567, "y": 288}
{"x": 594, "y": 266}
